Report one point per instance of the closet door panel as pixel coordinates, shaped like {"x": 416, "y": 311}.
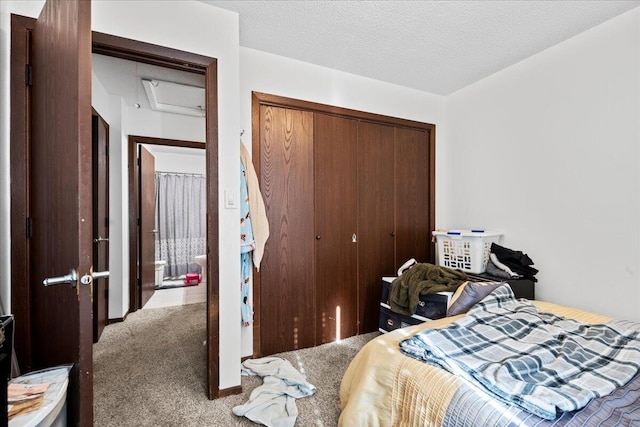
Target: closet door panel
{"x": 376, "y": 242}
{"x": 335, "y": 225}
{"x": 413, "y": 228}
{"x": 286, "y": 274}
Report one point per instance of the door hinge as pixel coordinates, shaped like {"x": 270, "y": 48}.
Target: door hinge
{"x": 138, "y": 161}
{"x": 29, "y": 228}
{"x": 106, "y": 150}
{"x": 28, "y": 75}
{"x": 106, "y": 293}
{"x": 106, "y": 222}
{"x": 139, "y": 222}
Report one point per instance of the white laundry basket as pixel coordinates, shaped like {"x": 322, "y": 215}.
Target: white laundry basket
{"x": 466, "y": 250}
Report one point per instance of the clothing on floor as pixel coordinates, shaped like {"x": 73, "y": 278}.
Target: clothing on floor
{"x": 422, "y": 279}
{"x": 274, "y": 402}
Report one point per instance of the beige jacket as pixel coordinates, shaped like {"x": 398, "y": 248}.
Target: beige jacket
{"x": 256, "y": 207}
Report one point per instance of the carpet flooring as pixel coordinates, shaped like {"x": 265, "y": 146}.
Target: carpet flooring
{"x": 150, "y": 370}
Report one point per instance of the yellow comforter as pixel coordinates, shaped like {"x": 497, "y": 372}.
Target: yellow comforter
{"x": 383, "y": 387}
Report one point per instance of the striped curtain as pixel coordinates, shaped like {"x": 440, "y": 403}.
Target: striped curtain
{"x": 180, "y": 221}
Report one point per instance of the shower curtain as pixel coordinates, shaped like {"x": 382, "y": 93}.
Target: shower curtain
{"x": 180, "y": 221}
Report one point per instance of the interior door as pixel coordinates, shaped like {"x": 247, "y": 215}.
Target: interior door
{"x": 376, "y": 228}
{"x": 147, "y": 200}
{"x": 61, "y": 197}
{"x": 100, "y": 137}
{"x": 336, "y": 207}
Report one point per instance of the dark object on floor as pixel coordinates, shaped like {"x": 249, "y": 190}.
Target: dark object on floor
{"x": 516, "y": 260}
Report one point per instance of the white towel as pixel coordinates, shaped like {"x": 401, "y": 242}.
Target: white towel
{"x": 274, "y": 402}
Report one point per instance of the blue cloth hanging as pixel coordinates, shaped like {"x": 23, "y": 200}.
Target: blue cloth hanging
{"x": 247, "y": 245}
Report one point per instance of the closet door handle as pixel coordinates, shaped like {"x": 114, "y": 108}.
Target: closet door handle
{"x": 393, "y": 234}
{"x": 318, "y": 237}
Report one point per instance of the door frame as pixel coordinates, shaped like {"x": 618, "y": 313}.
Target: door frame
{"x": 134, "y": 209}
{"x": 99, "y": 299}
{"x": 21, "y": 28}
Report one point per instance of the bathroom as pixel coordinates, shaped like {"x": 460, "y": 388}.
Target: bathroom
{"x": 180, "y": 226}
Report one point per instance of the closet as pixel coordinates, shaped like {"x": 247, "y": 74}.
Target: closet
{"x": 349, "y": 198}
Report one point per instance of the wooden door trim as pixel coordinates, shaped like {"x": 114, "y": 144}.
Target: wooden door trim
{"x": 132, "y": 50}
{"x": 297, "y": 104}
{"x": 98, "y": 299}
{"x": 259, "y": 99}
{"x": 21, "y": 28}
{"x": 134, "y": 206}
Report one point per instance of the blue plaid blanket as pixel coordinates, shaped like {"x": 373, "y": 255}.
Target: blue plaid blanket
{"x": 543, "y": 363}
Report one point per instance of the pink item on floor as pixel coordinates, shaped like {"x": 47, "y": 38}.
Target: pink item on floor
{"x": 192, "y": 279}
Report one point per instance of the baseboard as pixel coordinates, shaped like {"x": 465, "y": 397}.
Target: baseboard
{"x": 118, "y": 319}
{"x": 230, "y": 391}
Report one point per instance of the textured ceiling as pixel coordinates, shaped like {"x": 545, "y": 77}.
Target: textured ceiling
{"x": 435, "y": 46}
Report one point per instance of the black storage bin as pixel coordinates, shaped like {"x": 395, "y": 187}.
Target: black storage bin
{"x": 390, "y": 321}
{"x": 430, "y": 306}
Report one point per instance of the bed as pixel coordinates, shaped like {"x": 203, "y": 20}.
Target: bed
{"x": 384, "y": 387}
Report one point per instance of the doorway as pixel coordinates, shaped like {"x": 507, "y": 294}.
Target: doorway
{"x": 22, "y": 284}
{"x": 137, "y": 288}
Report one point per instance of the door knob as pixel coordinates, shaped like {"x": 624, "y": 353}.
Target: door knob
{"x": 101, "y": 239}
{"x": 72, "y": 277}
{"x": 87, "y": 279}
{"x": 100, "y": 274}
{"x": 354, "y": 238}
{"x": 393, "y": 234}
{"x": 318, "y": 237}
{"x": 67, "y": 278}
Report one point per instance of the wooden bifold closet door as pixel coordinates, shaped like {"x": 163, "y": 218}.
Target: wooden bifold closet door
{"x": 336, "y": 226}
{"x": 287, "y": 310}
{"x": 413, "y": 227}
{"x": 348, "y": 200}
{"x": 376, "y": 227}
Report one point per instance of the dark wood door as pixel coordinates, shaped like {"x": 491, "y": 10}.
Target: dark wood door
{"x": 147, "y": 200}
{"x": 376, "y": 228}
{"x": 413, "y": 227}
{"x": 336, "y": 244}
{"x": 61, "y": 194}
{"x": 287, "y": 318}
{"x": 100, "y": 131}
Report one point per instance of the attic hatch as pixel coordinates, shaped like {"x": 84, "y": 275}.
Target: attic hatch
{"x": 177, "y": 98}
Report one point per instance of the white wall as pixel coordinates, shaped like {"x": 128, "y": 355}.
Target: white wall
{"x": 548, "y": 151}
{"x": 277, "y": 75}
{"x": 197, "y": 28}
{"x": 182, "y": 162}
